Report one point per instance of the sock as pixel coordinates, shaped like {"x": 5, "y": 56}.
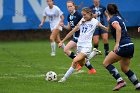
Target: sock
{"x": 69, "y": 72}
{"x": 132, "y": 77}
{"x": 106, "y": 48}
{"x": 72, "y": 55}
{"x": 114, "y": 72}
{"x": 92, "y": 54}
{"x": 88, "y": 65}
{"x": 96, "y": 46}
{"x": 53, "y": 46}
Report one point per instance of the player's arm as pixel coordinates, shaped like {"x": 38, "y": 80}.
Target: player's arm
{"x": 68, "y": 27}
{"x": 42, "y": 22}
{"x": 68, "y": 35}
{"x": 61, "y": 23}
{"x": 107, "y": 16}
{"x": 118, "y": 34}
{"x": 103, "y": 27}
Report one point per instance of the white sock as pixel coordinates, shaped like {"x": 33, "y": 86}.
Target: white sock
{"x": 69, "y": 72}
{"x": 87, "y": 62}
{"x": 119, "y": 79}
{"x": 53, "y": 46}
{"x": 92, "y": 54}
{"x": 137, "y": 85}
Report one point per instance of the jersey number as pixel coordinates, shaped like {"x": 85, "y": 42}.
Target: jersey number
{"x": 84, "y": 29}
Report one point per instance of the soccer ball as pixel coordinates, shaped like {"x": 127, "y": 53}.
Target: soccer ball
{"x": 51, "y": 76}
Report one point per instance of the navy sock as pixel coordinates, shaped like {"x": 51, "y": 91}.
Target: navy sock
{"x": 113, "y": 71}
{"x": 132, "y": 77}
{"x": 96, "y": 46}
{"x": 89, "y": 66}
{"x": 106, "y": 48}
{"x": 72, "y": 55}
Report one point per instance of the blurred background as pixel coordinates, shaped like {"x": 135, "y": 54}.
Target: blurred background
{"x": 19, "y": 19}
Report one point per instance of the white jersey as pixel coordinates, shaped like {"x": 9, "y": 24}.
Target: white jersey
{"x": 53, "y": 16}
{"x": 87, "y": 28}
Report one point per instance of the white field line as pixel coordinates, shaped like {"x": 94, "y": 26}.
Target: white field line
{"x": 15, "y": 76}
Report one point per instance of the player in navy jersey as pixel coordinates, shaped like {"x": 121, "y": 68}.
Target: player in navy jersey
{"x": 73, "y": 18}
{"x": 123, "y": 49}
{"x": 98, "y": 12}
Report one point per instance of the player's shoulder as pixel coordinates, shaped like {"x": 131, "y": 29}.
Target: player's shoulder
{"x": 94, "y": 20}
{"x": 56, "y": 7}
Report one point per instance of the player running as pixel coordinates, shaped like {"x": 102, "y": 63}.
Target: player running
{"x": 123, "y": 50}
{"x": 55, "y": 17}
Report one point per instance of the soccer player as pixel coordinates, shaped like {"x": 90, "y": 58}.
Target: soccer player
{"x": 98, "y": 12}
{"x": 138, "y": 29}
{"x": 123, "y": 49}
{"x": 73, "y": 18}
{"x": 55, "y": 17}
{"x": 87, "y": 27}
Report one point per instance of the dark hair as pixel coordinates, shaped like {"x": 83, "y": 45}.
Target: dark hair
{"x": 76, "y": 7}
{"x": 113, "y": 10}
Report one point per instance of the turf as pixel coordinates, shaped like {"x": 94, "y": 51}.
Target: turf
{"x": 23, "y": 65}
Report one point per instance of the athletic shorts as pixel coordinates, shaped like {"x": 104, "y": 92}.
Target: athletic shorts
{"x": 126, "y": 50}
{"x": 99, "y": 31}
{"x": 56, "y": 27}
{"x": 75, "y": 40}
{"x": 84, "y": 50}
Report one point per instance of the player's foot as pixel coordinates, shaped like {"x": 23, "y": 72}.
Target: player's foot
{"x": 53, "y": 54}
{"x": 92, "y": 71}
{"x": 62, "y": 80}
{"x": 97, "y": 51}
{"x": 79, "y": 67}
{"x": 138, "y": 88}
{"x": 119, "y": 85}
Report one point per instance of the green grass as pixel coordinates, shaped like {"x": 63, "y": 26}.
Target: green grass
{"x": 24, "y": 64}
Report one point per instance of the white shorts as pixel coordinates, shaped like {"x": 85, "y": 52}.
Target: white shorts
{"x": 84, "y": 50}
{"x": 56, "y": 27}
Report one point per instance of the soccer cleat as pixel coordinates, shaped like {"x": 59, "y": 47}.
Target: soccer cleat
{"x": 138, "y": 88}
{"x": 119, "y": 85}
{"x": 92, "y": 71}
{"x": 53, "y": 54}
{"x": 79, "y": 67}
{"x": 62, "y": 80}
{"x": 97, "y": 51}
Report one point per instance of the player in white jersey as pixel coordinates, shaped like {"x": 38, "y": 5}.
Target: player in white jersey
{"x": 55, "y": 18}
{"x": 87, "y": 26}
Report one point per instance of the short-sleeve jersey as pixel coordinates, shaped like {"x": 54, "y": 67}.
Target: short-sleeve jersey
{"x": 125, "y": 39}
{"x": 73, "y": 20}
{"x": 53, "y": 15}
{"x": 99, "y": 11}
{"x": 87, "y": 28}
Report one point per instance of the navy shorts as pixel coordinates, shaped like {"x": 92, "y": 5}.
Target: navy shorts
{"x": 75, "y": 40}
{"x": 99, "y": 31}
{"x": 126, "y": 51}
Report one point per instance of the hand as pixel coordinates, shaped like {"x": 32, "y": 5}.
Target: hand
{"x": 60, "y": 44}
{"x": 40, "y": 26}
{"x": 61, "y": 23}
{"x": 116, "y": 47}
{"x": 138, "y": 29}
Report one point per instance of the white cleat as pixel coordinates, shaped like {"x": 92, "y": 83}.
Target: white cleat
{"x": 62, "y": 80}
{"x": 52, "y": 54}
{"x": 98, "y": 52}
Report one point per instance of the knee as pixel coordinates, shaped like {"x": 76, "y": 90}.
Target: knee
{"x": 105, "y": 40}
{"x": 66, "y": 50}
{"x": 105, "y": 64}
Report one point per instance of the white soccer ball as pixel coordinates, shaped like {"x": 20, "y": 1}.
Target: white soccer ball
{"x": 51, "y": 76}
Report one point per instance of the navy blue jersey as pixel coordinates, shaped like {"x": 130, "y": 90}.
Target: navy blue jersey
{"x": 73, "y": 21}
{"x": 99, "y": 11}
{"x": 125, "y": 39}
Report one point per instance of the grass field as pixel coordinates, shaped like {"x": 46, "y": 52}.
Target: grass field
{"x": 23, "y": 65}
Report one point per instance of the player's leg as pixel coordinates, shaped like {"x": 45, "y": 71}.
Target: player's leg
{"x": 108, "y": 61}
{"x": 58, "y": 40}
{"x": 70, "y": 45}
{"x": 124, "y": 63}
{"x": 79, "y": 58}
{"x": 105, "y": 41}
